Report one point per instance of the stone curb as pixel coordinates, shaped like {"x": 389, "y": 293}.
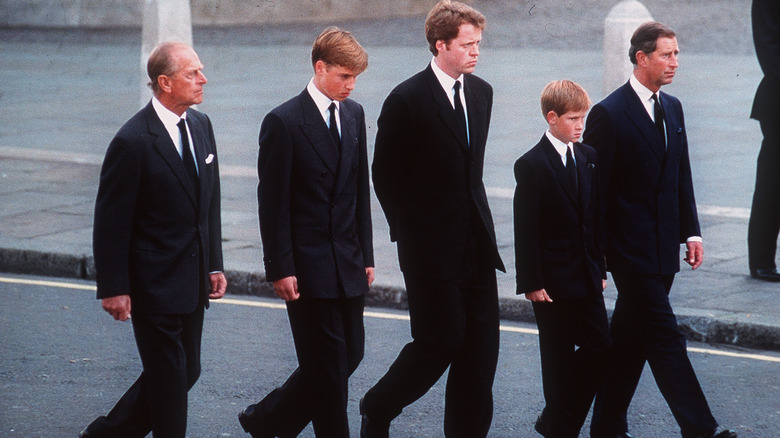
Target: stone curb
{"x": 713, "y": 327}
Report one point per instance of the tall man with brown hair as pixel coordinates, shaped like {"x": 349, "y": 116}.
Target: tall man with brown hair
{"x": 427, "y": 173}
{"x": 650, "y": 210}
{"x": 158, "y": 243}
{"x": 315, "y": 224}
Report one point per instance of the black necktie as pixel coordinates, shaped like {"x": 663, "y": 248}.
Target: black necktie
{"x": 571, "y": 168}
{"x": 659, "y": 118}
{"x": 459, "y": 111}
{"x": 186, "y": 155}
{"x": 334, "y": 129}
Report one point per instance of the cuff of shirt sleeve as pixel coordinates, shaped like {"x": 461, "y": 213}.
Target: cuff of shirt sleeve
{"x": 694, "y": 239}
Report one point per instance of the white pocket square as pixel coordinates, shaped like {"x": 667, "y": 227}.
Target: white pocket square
{"x": 210, "y": 158}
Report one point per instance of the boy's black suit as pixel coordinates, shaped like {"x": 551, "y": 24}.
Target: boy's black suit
{"x": 559, "y": 248}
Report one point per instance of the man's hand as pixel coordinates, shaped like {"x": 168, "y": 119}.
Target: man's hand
{"x": 118, "y": 307}
{"x": 603, "y": 284}
{"x": 287, "y": 288}
{"x": 218, "y": 285}
{"x": 370, "y": 275}
{"x": 538, "y": 296}
{"x": 694, "y": 255}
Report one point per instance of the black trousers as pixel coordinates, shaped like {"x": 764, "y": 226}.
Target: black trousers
{"x": 169, "y": 346}
{"x": 644, "y": 329}
{"x": 573, "y": 342}
{"x": 330, "y": 342}
{"x": 764, "y": 223}
{"x": 453, "y": 324}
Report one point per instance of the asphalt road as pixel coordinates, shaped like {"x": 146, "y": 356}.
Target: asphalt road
{"x": 64, "y": 361}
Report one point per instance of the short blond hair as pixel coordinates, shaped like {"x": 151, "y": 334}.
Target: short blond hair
{"x": 338, "y": 47}
{"x": 564, "y": 96}
{"x": 444, "y": 20}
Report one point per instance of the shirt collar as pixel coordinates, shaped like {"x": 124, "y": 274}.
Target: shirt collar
{"x": 643, "y": 92}
{"x": 446, "y": 81}
{"x": 170, "y": 121}
{"x": 559, "y": 146}
{"x": 322, "y": 101}
{"x": 167, "y": 116}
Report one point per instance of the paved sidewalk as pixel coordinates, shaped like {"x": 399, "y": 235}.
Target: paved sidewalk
{"x": 62, "y": 99}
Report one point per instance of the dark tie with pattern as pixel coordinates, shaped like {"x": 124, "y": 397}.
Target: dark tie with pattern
{"x": 186, "y": 155}
{"x": 334, "y": 129}
{"x": 659, "y": 118}
{"x": 459, "y": 111}
{"x": 571, "y": 169}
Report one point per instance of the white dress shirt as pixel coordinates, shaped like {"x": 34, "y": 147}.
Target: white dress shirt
{"x": 323, "y": 103}
{"x": 448, "y": 83}
{"x": 170, "y": 120}
{"x": 561, "y": 147}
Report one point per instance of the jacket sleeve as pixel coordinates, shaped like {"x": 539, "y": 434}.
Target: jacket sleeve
{"x": 120, "y": 178}
{"x": 526, "y": 205}
{"x": 274, "y": 170}
{"x": 394, "y": 135}
{"x": 215, "y": 211}
{"x": 363, "y": 210}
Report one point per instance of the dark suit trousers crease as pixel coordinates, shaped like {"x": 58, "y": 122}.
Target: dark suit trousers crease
{"x": 644, "y": 329}
{"x": 329, "y": 341}
{"x": 765, "y": 213}
{"x": 169, "y": 346}
{"x": 454, "y": 323}
{"x": 573, "y": 342}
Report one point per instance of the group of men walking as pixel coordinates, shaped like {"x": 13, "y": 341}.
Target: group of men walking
{"x": 624, "y": 204}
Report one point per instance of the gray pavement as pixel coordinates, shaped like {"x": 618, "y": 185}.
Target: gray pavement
{"x": 64, "y": 93}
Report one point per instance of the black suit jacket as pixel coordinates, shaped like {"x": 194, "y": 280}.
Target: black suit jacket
{"x": 314, "y": 208}
{"x": 428, "y": 179}
{"x": 766, "y": 37}
{"x": 152, "y": 238}
{"x": 650, "y": 205}
{"x": 558, "y": 230}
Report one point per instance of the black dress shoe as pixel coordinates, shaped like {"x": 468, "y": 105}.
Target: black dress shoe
{"x": 771, "y": 274}
{"x": 250, "y": 420}
{"x": 372, "y": 429}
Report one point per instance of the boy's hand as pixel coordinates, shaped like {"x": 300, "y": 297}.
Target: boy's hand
{"x": 538, "y": 296}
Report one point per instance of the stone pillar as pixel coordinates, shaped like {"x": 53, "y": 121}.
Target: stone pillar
{"x": 620, "y": 24}
{"x": 164, "y": 20}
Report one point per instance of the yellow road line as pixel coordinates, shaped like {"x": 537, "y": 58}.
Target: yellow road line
{"x": 372, "y": 314}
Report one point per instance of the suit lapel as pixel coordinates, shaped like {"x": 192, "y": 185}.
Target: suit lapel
{"x": 164, "y": 146}
{"x": 476, "y": 107}
{"x": 554, "y": 159}
{"x": 584, "y": 177}
{"x": 200, "y": 135}
{"x": 348, "y": 143}
{"x": 636, "y": 112}
{"x": 316, "y": 131}
{"x": 446, "y": 111}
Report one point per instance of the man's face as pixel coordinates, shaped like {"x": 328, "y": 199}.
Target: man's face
{"x": 334, "y": 81}
{"x": 460, "y": 55}
{"x": 568, "y": 127}
{"x": 659, "y": 67}
{"x": 186, "y": 85}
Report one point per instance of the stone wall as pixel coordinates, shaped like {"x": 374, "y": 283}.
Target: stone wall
{"x": 128, "y": 13}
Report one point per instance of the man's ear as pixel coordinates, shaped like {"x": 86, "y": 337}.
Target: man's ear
{"x": 641, "y": 59}
{"x": 320, "y": 67}
{"x": 551, "y": 117}
{"x": 165, "y": 83}
{"x": 441, "y": 45}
